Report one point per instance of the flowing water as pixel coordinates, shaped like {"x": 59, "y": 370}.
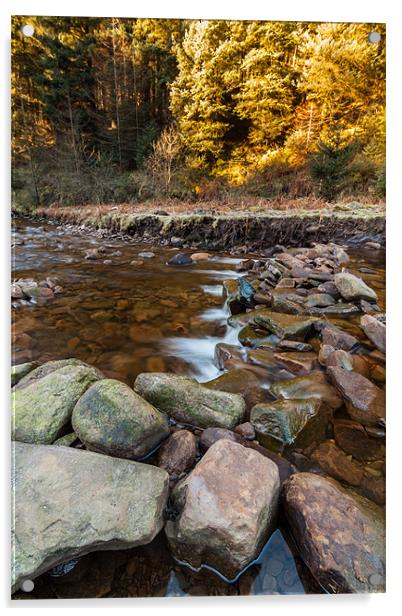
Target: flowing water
{"x": 129, "y": 318}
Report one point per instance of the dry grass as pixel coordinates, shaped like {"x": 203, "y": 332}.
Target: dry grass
{"x": 171, "y": 206}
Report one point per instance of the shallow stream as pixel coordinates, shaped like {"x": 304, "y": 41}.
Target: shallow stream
{"x": 129, "y": 318}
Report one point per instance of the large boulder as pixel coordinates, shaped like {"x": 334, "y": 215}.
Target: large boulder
{"x": 352, "y": 288}
{"x": 313, "y": 385}
{"x": 209, "y": 436}
{"x": 42, "y": 405}
{"x": 374, "y": 330}
{"x": 283, "y": 425}
{"x": 69, "y": 502}
{"x": 365, "y": 402}
{"x": 189, "y": 402}
{"x": 111, "y": 418}
{"x": 340, "y": 535}
{"x": 51, "y": 366}
{"x": 226, "y": 509}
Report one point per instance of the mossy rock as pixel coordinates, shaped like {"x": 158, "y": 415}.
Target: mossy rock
{"x": 111, "y": 418}
{"x": 42, "y": 408}
{"x": 189, "y": 402}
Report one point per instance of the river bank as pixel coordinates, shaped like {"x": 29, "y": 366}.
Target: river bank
{"x": 287, "y": 358}
{"x": 211, "y": 228}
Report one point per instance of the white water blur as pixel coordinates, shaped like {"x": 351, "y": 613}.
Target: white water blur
{"x": 213, "y": 289}
{"x": 199, "y": 353}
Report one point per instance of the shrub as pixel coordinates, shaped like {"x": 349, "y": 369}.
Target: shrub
{"x": 331, "y": 167}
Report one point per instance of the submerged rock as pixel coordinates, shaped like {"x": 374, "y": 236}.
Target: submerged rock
{"x": 365, "y": 401}
{"x": 340, "y": 536}
{"x": 189, "y": 402}
{"x": 226, "y": 509}
{"x": 313, "y": 385}
{"x": 42, "y": 407}
{"x": 353, "y": 288}
{"x": 374, "y": 330}
{"x": 70, "y": 502}
{"x": 283, "y": 425}
{"x": 180, "y": 258}
{"x": 178, "y": 452}
{"x": 111, "y": 418}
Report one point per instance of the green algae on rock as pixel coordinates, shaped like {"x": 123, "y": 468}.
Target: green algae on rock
{"x": 189, "y": 402}
{"x": 42, "y": 407}
{"x": 111, "y": 418}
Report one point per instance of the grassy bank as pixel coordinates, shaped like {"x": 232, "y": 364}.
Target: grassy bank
{"x": 213, "y": 227}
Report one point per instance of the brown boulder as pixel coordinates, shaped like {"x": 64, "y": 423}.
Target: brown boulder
{"x": 352, "y": 437}
{"x": 365, "y": 401}
{"x": 337, "y": 464}
{"x": 211, "y": 435}
{"x": 340, "y": 536}
{"x": 226, "y": 508}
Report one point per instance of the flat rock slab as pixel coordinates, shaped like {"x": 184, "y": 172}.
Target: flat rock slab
{"x": 340, "y": 536}
{"x": 365, "y": 401}
{"x": 289, "y": 326}
{"x": 70, "y": 502}
{"x": 111, "y": 418}
{"x": 189, "y": 402}
{"x": 226, "y": 509}
{"x": 297, "y": 362}
{"x": 42, "y": 406}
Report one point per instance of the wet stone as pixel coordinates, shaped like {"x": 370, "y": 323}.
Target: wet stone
{"x": 283, "y": 425}
{"x": 365, "y": 401}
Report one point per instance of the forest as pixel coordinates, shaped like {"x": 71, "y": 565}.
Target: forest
{"x": 113, "y": 110}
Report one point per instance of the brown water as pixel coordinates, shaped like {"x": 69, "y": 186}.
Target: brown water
{"x": 126, "y": 319}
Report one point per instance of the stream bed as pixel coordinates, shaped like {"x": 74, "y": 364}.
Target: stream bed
{"x": 126, "y": 314}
